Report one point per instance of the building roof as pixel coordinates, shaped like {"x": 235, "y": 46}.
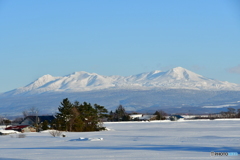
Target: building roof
{"x": 16, "y": 127}
{"x": 40, "y": 118}
{"x": 178, "y": 116}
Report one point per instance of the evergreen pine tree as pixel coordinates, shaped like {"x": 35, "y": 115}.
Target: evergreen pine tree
{"x": 120, "y": 114}
{"x": 64, "y": 114}
{"x": 45, "y": 125}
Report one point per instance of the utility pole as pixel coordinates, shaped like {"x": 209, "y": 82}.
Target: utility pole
{"x": 36, "y": 121}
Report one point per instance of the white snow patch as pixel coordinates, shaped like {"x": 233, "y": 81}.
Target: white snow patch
{"x": 220, "y": 106}
{"x": 2, "y": 127}
{"x": 9, "y": 131}
{"x": 107, "y": 129}
{"x": 87, "y": 139}
{"x": 47, "y": 131}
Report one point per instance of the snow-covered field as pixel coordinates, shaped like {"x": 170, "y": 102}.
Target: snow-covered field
{"x": 131, "y": 140}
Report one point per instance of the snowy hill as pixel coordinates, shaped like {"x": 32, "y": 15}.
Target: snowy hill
{"x": 176, "y": 90}
{"x": 176, "y": 78}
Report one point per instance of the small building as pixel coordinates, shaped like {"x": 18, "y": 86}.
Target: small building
{"x": 188, "y": 116}
{"x": 22, "y": 128}
{"x": 142, "y": 117}
{"x": 31, "y": 120}
{"x": 135, "y": 116}
{"x": 176, "y": 118}
{"x": 148, "y": 117}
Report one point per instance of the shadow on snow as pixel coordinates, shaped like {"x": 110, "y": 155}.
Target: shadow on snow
{"x": 144, "y": 147}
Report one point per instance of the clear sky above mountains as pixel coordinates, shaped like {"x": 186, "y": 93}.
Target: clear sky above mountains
{"x": 111, "y": 37}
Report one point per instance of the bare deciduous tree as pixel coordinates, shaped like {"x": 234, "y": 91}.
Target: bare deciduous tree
{"x": 1, "y": 120}
{"x": 33, "y": 111}
{"x": 55, "y": 133}
{"x": 7, "y": 122}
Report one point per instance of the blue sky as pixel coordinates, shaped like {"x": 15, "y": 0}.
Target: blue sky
{"x": 112, "y": 37}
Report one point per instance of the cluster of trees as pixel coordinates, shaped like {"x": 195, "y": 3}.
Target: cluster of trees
{"x": 79, "y": 117}
{"x": 5, "y": 121}
{"x": 119, "y": 115}
{"x": 160, "y": 115}
{"x": 231, "y": 113}
{"x": 33, "y": 111}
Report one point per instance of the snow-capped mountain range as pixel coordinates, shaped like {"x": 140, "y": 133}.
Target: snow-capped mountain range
{"x": 176, "y": 90}
{"x": 176, "y": 78}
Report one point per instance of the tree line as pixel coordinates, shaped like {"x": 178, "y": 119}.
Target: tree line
{"x": 231, "y": 113}
{"x": 81, "y": 117}
{"x": 78, "y": 117}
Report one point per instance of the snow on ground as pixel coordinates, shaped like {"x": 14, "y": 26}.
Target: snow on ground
{"x": 87, "y": 139}
{"x": 131, "y": 140}
{"x": 8, "y": 131}
{"x": 2, "y": 127}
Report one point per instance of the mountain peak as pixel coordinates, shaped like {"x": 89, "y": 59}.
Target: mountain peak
{"x": 45, "y": 77}
{"x": 81, "y": 73}
{"x": 180, "y": 73}
{"x": 156, "y": 71}
{"x": 40, "y": 82}
{"x": 178, "y": 70}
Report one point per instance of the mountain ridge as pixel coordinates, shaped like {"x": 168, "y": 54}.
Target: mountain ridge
{"x": 175, "y": 90}
{"x": 175, "y": 78}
